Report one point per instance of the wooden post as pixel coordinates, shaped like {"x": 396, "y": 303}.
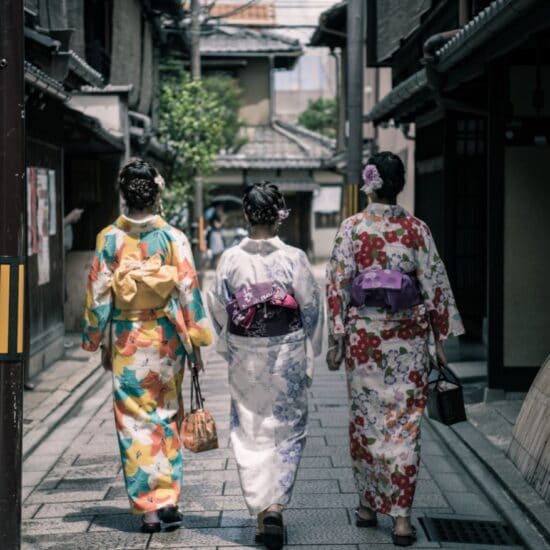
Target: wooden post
{"x": 13, "y": 228}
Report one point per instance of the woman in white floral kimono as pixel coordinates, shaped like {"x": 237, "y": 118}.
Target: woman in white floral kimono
{"x": 269, "y": 316}
{"x": 390, "y": 308}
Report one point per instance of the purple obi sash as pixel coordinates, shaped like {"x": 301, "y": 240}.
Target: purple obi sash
{"x": 263, "y": 309}
{"x": 386, "y": 288}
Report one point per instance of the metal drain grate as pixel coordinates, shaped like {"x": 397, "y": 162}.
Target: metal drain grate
{"x": 469, "y": 531}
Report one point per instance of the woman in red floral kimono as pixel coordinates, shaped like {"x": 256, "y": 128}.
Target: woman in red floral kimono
{"x": 390, "y": 309}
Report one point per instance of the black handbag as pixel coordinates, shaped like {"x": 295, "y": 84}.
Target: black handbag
{"x": 446, "y": 398}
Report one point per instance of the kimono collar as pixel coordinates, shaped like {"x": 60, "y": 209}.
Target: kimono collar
{"x": 381, "y": 210}
{"x": 261, "y": 246}
{"x": 131, "y": 225}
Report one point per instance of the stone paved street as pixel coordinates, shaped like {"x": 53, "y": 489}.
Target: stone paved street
{"x": 75, "y": 498}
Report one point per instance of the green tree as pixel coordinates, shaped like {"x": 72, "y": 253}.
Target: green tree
{"x": 198, "y": 119}
{"x": 320, "y": 116}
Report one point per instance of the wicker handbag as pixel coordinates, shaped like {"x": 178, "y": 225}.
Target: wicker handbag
{"x": 446, "y": 398}
{"x": 198, "y": 429}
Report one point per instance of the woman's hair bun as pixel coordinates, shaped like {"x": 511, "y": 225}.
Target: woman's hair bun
{"x": 262, "y": 203}
{"x": 392, "y": 171}
{"x": 137, "y": 184}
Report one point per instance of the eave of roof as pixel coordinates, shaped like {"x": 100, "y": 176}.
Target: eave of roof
{"x": 402, "y": 93}
{"x": 39, "y": 79}
{"x": 328, "y": 31}
{"x": 94, "y": 126}
{"x": 490, "y": 21}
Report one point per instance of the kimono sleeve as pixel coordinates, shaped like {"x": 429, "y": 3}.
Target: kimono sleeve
{"x": 189, "y": 294}
{"x": 308, "y": 295}
{"x": 99, "y": 298}
{"x": 436, "y": 291}
{"x": 341, "y": 269}
{"x": 218, "y": 297}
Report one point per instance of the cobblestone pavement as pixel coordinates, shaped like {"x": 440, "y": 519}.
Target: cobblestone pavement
{"x": 74, "y": 494}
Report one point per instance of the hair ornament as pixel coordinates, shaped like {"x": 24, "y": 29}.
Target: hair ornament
{"x": 371, "y": 178}
{"x": 159, "y": 180}
{"x": 283, "y": 213}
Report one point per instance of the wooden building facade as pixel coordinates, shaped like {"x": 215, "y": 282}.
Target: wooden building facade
{"x": 474, "y": 78}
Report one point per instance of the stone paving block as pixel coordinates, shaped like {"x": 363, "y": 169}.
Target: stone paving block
{"x": 76, "y": 509}
{"x": 320, "y": 501}
{"x": 325, "y": 473}
{"x": 311, "y": 462}
{"x": 315, "y": 441}
{"x": 325, "y": 451}
{"x": 38, "y": 497}
{"x": 86, "y": 541}
{"x": 454, "y": 482}
{"x": 337, "y": 440}
{"x": 231, "y": 536}
{"x": 86, "y": 484}
{"x": 322, "y": 546}
{"x": 341, "y": 460}
{"x": 191, "y": 477}
{"x": 126, "y": 523}
{"x": 53, "y": 526}
{"x": 430, "y": 499}
{"x": 435, "y": 463}
{"x": 31, "y": 479}
{"x": 209, "y": 464}
{"x": 470, "y": 504}
{"x": 28, "y": 511}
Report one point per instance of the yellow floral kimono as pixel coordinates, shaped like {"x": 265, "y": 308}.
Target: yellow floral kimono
{"x": 143, "y": 294}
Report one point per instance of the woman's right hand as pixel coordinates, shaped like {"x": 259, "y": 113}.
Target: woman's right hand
{"x": 335, "y": 353}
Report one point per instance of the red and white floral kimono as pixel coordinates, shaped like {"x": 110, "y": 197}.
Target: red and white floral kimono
{"x": 387, "y": 353}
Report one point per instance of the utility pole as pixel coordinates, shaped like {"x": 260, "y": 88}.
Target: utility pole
{"x": 198, "y": 224}
{"x": 13, "y": 228}
{"x": 355, "y": 82}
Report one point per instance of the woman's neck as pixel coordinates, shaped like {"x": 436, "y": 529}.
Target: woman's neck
{"x": 376, "y": 200}
{"x": 258, "y": 232}
{"x": 140, "y": 214}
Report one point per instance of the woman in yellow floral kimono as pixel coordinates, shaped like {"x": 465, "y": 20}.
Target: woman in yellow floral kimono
{"x": 143, "y": 306}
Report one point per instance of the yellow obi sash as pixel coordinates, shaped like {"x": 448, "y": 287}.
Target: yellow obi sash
{"x": 143, "y": 284}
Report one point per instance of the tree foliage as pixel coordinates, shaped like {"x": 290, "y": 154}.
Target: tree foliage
{"x": 320, "y": 116}
{"x": 198, "y": 119}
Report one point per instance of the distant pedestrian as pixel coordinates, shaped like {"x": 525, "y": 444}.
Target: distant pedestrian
{"x": 269, "y": 315}
{"x": 214, "y": 240}
{"x": 390, "y": 308}
{"x": 144, "y": 304}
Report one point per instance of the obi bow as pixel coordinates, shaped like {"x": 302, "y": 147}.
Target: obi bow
{"x": 242, "y": 309}
{"x": 160, "y": 279}
{"x": 385, "y": 288}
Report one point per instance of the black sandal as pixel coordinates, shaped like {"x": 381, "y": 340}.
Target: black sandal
{"x": 404, "y": 540}
{"x": 362, "y": 522}
{"x": 171, "y": 517}
{"x": 274, "y": 532}
{"x": 150, "y": 526}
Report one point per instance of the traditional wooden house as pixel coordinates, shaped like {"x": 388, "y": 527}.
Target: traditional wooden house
{"x": 474, "y": 77}
{"x": 297, "y": 160}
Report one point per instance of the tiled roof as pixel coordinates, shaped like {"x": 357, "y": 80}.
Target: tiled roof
{"x": 226, "y": 40}
{"x": 276, "y": 146}
{"x": 256, "y": 14}
{"x": 38, "y": 78}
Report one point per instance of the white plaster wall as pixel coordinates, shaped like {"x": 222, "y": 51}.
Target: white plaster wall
{"x": 106, "y": 108}
{"x": 526, "y": 260}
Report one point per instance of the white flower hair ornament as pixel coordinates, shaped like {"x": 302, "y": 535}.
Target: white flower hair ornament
{"x": 159, "y": 180}
{"x": 283, "y": 213}
{"x": 371, "y": 178}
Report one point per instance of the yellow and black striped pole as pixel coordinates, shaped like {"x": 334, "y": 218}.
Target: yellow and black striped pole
{"x": 13, "y": 248}
{"x": 12, "y": 308}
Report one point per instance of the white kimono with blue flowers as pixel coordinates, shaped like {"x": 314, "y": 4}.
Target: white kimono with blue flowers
{"x": 268, "y": 376}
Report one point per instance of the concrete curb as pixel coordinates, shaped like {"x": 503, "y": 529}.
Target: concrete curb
{"x": 53, "y": 410}
{"x": 533, "y": 535}
{"x": 507, "y": 474}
